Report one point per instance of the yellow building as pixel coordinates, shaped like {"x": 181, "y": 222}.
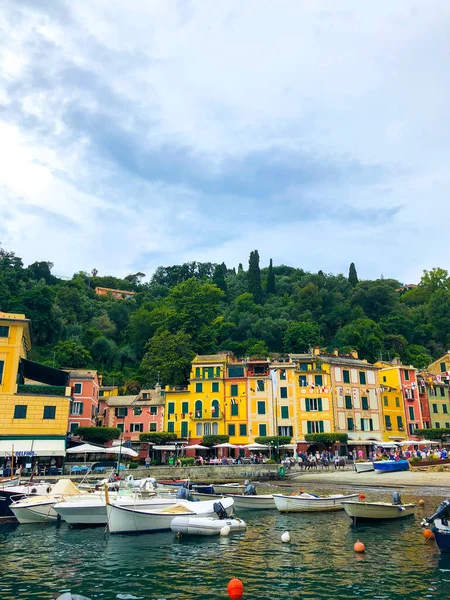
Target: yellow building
{"x": 392, "y": 403}
{"x": 441, "y": 366}
{"x": 33, "y": 416}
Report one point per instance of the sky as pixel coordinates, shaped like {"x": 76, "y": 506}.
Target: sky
{"x": 137, "y": 134}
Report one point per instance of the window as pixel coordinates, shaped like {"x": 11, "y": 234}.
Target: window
{"x": 362, "y": 378}
{"x": 243, "y": 429}
{"x": 387, "y": 421}
{"x": 198, "y": 409}
{"x": 217, "y": 371}
{"x": 49, "y": 412}
{"x": 78, "y": 388}
{"x": 318, "y": 380}
{"x": 348, "y": 402}
{"x": 185, "y": 407}
{"x": 285, "y": 412}
{"x": 442, "y": 391}
{"x": 435, "y": 408}
{"x": 234, "y": 389}
{"x": 73, "y": 426}
{"x": 199, "y": 388}
{"x": 285, "y": 430}
{"x": 261, "y": 408}
{"x": 346, "y": 376}
{"x": 411, "y": 413}
{"x": 260, "y": 385}
{"x": 101, "y": 393}
{"x": 197, "y": 372}
{"x": 447, "y": 425}
{"x": 208, "y": 371}
{"x": 262, "y": 430}
{"x": 366, "y": 425}
{"x": 120, "y": 426}
{"x": 283, "y": 392}
{"x": 171, "y": 408}
{"x": 235, "y": 410}
{"x": 184, "y": 429}
{"x": 397, "y": 402}
{"x": 365, "y": 403}
{"x": 153, "y": 410}
{"x": 20, "y": 411}
{"x": 2, "y": 366}
{"x": 444, "y": 409}
{"x": 350, "y": 424}
{"x": 231, "y": 430}
{"x": 198, "y": 429}
{"x": 137, "y": 411}
{"x": 303, "y": 366}
{"x": 441, "y": 365}
{"x": 313, "y": 404}
{"x": 406, "y": 374}
{"x": 302, "y": 381}
{"x": 314, "y": 426}
{"x": 152, "y": 427}
{"x": 400, "y": 423}
{"x": 412, "y": 427}
{"x": 384, "y": 378}
{"x": 4, "y": 331}
{"x": 215, "y": 386}
{"x": 145, "y": 395}
{"x": 136, "y": 427}
{"x": 282, "y": 374}
{"x": 171, "y": 427}
{"x": 215, "y": 428}
{"x": 207, "y": 429}
{"x": 385, "y": 401}
{"x": 235, "y": 371}
{"x": 77, "y": 408}
{"x": 215, "y": 408}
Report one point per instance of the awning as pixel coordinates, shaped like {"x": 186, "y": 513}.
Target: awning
{"x": 43, "y": 373}
{"x": 171, "y": 448}
{"x": 39, "y": 447}
{"x": 363, "y": 442}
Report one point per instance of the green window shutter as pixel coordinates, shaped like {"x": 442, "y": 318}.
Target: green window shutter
{"x": 283, "y": 392}
{"x": 346, "y": 376}
{"x": 235, "y": 410}
{"x": 234, "y": 390}
{"x": 411, "y": 412}
{"x": 371, "y": 424}
{"x": 184, "y": 429}
{"x": 262, "y": 430}
{"x": 261, "y": 408}
{"x": 365, "y": 403}
{"x": 215, "y": 408}
{"x": 406, "y": 374}
{"x": 307, "y": 405}
{"x": 171, "y": 408}
{"x": 185, "y": 407}
{"x": 399, "y": 422}
{"x": 197, "y": 371}
{"x": 198, "y": 409}
{"x": 217, "y": 371}
{"x": 49, "y": 412}
{"x": 215, "y": 386}
{"x": 443, "y": 367}
{"x": 20, "y": 411}
{"x": 318, "y": 380}
{"x": 302, "y": 381}
{"x": 308, "y": 423}
{"x": 362, "y": 425}
{"x": 171, "y": 427}
{"x": 320, "y": 426}
{"x": 319, "y": 404}
{"x": 2, "y": 366}
{"x": 285, "y": 412}
{"x": 231, "y": 430}
{"x": 350, "y": 424}
{"x": 387, "y": 420}
{"x": 243, "y": 429}
{"x": 199, "y": 387}
{"x": 235, "y": 371}
{"x": 362, "y": 378}
{"x": 348, "y": 402}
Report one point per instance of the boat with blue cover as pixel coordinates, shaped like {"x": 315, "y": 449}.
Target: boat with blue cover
{"x": 391, "y": 466}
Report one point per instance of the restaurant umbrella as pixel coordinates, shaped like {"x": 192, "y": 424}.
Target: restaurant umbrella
{"x": 196, "y": 447}
{"x": 123, "y": 450}
{"x": 86, "y": 449}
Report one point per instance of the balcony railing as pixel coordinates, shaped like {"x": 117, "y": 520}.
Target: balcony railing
{"x": 41, "y": 390}
{"x": 204, "y": 415}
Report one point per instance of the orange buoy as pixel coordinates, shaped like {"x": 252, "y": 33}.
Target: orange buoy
{"x": 359, "y": 547}
{"x": 429, "y": 535}
{"x": 235, "y": 589}
{"x": 421, "y": 502}
{"x": 362, "y": 496}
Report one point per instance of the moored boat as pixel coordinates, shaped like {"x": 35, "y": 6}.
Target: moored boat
{"x": 441, "y": 528}
{"x": 391, "y": 466}
{"x": 205, "y": 525}
{"x": 229, "y": 488}
{"x": 261, "y": 502}
{"x": 310, "y": 503}
{"x": 378, "y": 511}
{"x": 364, "y": 467}
{"x": 14, "y": 492}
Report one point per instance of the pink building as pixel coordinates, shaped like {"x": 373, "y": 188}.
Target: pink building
{"x": 411, "y": 399}
{"x": 84, "y": 401}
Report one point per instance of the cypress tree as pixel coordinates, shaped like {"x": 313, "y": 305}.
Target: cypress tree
{"x": 352, "y": 275}
{"x": 270, "y": 283}
{"x": 240, "y": 268}
{"x": 254, "y": 277}
{"x": 219, "y": 278}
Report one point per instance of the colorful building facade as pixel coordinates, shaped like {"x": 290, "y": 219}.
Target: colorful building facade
{"x": 84, "y": 407}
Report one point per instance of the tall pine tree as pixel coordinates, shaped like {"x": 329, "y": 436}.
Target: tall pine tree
{"x": 254, "y": 277}
{"x": 219, "y": 277}
{"x": 270, "y": 283}
{"x": 352, "y": 275}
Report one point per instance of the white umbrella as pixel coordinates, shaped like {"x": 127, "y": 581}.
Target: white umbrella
{"x": 256, "y": 446}
{"x": 225, "y": 445}
{"x": 86, "y": 449}
{"x": 121, "y": 450}
{"x": 196, "y": 447}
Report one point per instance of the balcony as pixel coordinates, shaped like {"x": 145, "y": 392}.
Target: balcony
{"x": 205, "y": 416}
{"x": 388, "y": 427}
{"x": 27, "y": 389}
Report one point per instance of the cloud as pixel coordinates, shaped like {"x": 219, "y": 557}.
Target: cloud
{"x": 152, "y": 133}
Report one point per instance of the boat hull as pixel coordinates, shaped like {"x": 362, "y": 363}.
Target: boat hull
{"x": 391, "y": 466}
{"x": 377, "y": 511}
{"x": 299, "y": 504}
{"x": 35, "y": 513}
{"x": 205, "y": 525}
{"x": 262, "y": 502}
{"x": 442, "y": 536}
{"x": 364, "y": 467}
{"x": 10, "y": 493}
{"x": 228, "y": 488}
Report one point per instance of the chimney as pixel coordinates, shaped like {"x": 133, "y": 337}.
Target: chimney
{"x": 158, "y": 389}
{"x": 316, "y": 351}
{"x": 396, "y": 360}
{"x": 336, "y": 351}
{"x": 354, "y": 353}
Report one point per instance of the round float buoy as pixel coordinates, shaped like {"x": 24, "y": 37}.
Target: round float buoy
{"x": 428, "y": 534}
{"x": 235, "y": 589}
{"x": 421, "y": 502}
{"x": 225, "y": 531}
{"x": 359, "y": 547}
{"x": 362, "y": 496}
{"x": 286, "y": 537}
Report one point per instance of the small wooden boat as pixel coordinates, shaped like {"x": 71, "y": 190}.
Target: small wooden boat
{"x": 205, "y": 525}
{"x": 310, "y": 503}
{"x": 377, "y": 511}
{"x": 391, "y": 466}
{"x": 258, "y": 502}
{"x": 364, "y": 467}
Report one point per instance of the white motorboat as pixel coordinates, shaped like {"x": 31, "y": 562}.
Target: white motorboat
{"x": 364, "y": 467}
{"x": 39, "y": 509}
{"x": 205, "y": 525}
{"x": 229, "y": 488}
{"x": 14, "y": 492}
{"x": 377, "y": 511}
{"x": 258, "y": 502}
{"x": 124, "y": 519}
{"x": 310, "y": 503}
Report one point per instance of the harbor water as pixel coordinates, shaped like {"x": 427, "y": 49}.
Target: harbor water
{"x": 319, "y": 563}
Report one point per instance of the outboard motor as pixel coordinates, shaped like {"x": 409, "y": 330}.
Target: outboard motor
{"x": 220, "y": 511}
{"x": 396, "y": 499}
{"x": 184, "y": 494}
{"x": 443, "y": 513}
{"x": 250, "y": 490}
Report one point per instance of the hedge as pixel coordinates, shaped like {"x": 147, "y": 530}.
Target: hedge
{"x": 275, "y": 440}
{"x": 160, "y": 438}
{"x": 98, "y": 434}
{"x": 214, "y": 440}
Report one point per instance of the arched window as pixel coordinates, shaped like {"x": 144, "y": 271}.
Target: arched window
{"x": 198, "y": 409}
{"x": 207, "y": 429}
{"x": 215, "y": 409}
{"x": 198, "y": 430}
{"x": 215, "y": 428}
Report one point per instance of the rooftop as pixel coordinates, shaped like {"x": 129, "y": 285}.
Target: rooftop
{"x": 81, "y": 373}
{"x": 120, "y": 400}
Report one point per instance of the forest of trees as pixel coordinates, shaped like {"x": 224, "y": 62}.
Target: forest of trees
{"x": 204, "y": 308}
